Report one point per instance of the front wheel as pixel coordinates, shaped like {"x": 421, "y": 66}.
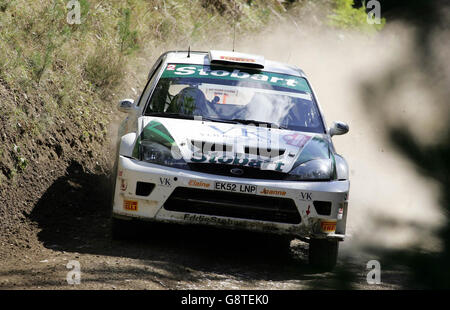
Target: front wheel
{"x": 323, "y": 253}
{"x": 123, "y": 229}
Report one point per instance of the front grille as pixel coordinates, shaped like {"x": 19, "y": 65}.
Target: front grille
{"x": 249, "y": 172}
{"x": 235, "y": 205}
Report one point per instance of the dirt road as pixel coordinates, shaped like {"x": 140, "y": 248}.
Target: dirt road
{"x": 169, "y": 257}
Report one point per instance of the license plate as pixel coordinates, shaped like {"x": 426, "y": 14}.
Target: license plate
{"x": 235, "y": 187}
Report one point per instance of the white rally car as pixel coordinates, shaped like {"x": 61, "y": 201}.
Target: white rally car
{"x": 232, "y": 140}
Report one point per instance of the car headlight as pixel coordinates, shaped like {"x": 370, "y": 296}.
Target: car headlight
{"x": 156, "y": 153}
{"x": 312, "y": 170}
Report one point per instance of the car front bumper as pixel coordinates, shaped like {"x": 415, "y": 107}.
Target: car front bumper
{"x": 165, "y": 194}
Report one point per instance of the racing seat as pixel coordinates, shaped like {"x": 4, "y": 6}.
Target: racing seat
{"x": 190, "y": 101}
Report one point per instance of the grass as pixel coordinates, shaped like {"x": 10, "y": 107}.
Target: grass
{"x": 127, "y": 37}
{"x": 74, "y": 73}
{"x": 104, "y": 70}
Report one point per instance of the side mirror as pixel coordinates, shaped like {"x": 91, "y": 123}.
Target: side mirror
{"x": 126, "y": 105}
{"x": 339, "y": 128}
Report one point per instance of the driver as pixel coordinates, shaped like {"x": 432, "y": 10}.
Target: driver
{"x": 191, "y": 101}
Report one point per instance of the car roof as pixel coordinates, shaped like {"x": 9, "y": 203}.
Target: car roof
{"x": 202, "y": 58}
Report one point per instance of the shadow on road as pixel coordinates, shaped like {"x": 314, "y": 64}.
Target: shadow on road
{"x": 74, "y": 216}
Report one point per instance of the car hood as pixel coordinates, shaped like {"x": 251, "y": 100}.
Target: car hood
{"x": 234, "y": 144}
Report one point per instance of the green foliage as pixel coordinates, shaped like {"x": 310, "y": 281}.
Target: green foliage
{"x": 20, "y": 161}
{"x": 4, "y": 5}
{"x": 104, "y": 68}
{"x": 347, "y": 17}
{"x": 38, "y": 63}
{"x": 11, "y": 174}
{"x": 85, "y": 136}
{"x": 128, "y": 38}
{"x": 84, "y": 8}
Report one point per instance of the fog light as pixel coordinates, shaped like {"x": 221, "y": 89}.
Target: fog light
{"x": 340, "y": 213}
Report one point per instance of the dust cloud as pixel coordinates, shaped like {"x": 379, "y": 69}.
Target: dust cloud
{"x": 385, "y": 187}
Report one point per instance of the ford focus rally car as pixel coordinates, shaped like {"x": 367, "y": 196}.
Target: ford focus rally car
{"x": 232, "y": 140}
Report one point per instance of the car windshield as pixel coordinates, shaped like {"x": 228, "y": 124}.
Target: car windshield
{"x": 237, "y": 95}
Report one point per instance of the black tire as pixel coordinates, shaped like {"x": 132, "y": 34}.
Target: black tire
{"x": 282, "y": 245}
{"x": 272, "y": 245}
{"x": 323, "y": 254}
{"x": 123, "y": 229}
{"x": 113, "y": 181}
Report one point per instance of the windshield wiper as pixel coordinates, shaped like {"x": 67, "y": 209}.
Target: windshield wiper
{"x": 170, "y": 115}
{"x": 252, "y": 121}
{"x": 185, "y": 116}
{"x": 230, "y": 121}
{"x": 220, "y": 120}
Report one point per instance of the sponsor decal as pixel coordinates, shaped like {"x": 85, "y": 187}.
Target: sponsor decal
{"x": 130, "y": 205}
{"x": 209, "y": 219}
{"x": 239, "y": 59}
{"x": 266, "y": 191}
{"x": 222, "y": 96}
{"x": 268, "y": 78}
{"x": 234, "y": 187}
{"x": 259, "y": 132}
{"x": 296, "y": 139}
{"x": 266, "y": 145}
{"x": 165, "y": 182}
{"x": 196, "y": 183}
{"x": 305, "y": 196}
{"x": 170, "y": 67}
{"x": 278, "y": 166}
{"x": 239, "y": 161}
{"x": 327, "y": 226}
{"x": 308, "y": 211}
